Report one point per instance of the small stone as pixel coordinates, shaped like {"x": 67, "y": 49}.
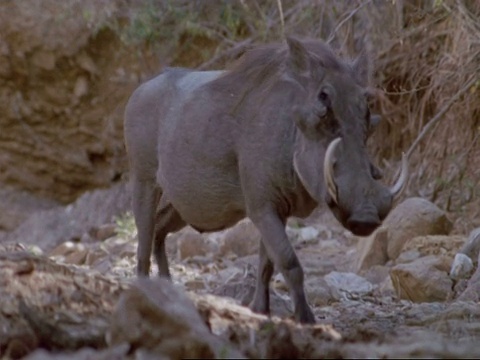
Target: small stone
{"x": 105, "y": 231}
{"x": 408, "y": 256}
{"x": 307, "y": 234}
{"x": 342, "y": 284}
{"x": 81, "y": 87}
{"x": 462, "y": 267}
{"x": 319, "y": 293}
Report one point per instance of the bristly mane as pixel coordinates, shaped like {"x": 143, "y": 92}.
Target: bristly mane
{"x": 254, "y": 68}
{"x": 265, "y": 63}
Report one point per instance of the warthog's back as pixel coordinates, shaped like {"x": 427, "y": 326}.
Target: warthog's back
{"x": 150, "y": 106}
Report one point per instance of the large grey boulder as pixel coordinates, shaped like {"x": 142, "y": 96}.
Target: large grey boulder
{"x": 414, "y": 217}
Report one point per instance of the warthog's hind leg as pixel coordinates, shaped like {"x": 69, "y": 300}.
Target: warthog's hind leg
{"x": 167, "y": 220}
{"x": 261, "y": 299}
{"x": 145, "y": 198}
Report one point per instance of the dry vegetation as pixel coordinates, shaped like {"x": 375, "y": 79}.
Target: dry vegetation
{"x": 69, "y": 71}
{"x": 427, "y": 61}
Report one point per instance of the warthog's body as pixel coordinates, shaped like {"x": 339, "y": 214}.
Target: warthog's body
{"x": 210, "y": 148}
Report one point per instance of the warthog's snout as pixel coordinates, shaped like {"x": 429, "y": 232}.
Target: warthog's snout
{"x": 363, "y": 224}
{"x": 357, "y": 200}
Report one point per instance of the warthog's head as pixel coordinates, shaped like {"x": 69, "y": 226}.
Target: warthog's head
{"x": 333, "y": 123}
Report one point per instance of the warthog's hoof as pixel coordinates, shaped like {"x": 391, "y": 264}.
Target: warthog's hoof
{"x": 305, "y": 316}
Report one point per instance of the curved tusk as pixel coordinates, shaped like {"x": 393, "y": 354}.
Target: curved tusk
{"x": 397, "y": 189}
{"x": 328, "y": 169}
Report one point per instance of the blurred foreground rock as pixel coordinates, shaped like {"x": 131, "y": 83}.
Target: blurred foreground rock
{"x": 156, "y": 317}
{"x": 51, "y": 305}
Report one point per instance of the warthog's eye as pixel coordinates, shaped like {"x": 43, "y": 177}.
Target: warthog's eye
{"x": 324, "y": 98}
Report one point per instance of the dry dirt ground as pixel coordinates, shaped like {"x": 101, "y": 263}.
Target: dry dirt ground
{"x": 68, "y": 302}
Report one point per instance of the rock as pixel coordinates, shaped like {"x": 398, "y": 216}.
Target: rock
{"x": 193, "y": 244}
{"x": 472, "y": 245}
{"x": 304, "y": 235}
{"x": 155, "y": 316}
{"x": 342, "y": 284}
{"x": 408, "y": 256}
{"x": 423, "y": 280}
{"x": 433, "y": 245}
{"x": 70, "y": 253}
{"x": 472, "y": 291}
{"x": 117, "y": 352}
{"x": 386, "y": 288}
{"x": 414, "y": 217}
{"x": 376, "y": 274}
{"x": 319, "y": 292}
{"x": 105, "y": 231}
{"x": 44, "y": 60}
{"x": 462, "y": 267}
{"x": 243, "y": 239}
{"x": 81, "y": 88}
{"x": 16, "y": 206}
{"x": 49, "y": 228}
{"x": 372, "y": 250}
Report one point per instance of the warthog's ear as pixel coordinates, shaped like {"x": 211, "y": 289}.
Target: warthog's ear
{"x": 299, "y": 60}
{"x": 362, "y": 68}
{"x": 307, "y": 162}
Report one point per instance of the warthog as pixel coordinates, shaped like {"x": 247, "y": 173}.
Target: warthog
{"x": 280, "y": 132}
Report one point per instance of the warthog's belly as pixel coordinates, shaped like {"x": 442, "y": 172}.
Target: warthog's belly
{"x": 212, "y": 207}
{"x": 208, "y": 218}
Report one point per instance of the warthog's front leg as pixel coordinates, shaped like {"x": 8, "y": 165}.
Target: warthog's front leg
{"x": 280, "y": 250}
{"x": 261, "y": 299}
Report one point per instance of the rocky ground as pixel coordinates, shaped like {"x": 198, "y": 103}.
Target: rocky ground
{"x": 408, "y": 290}
{"x": 67, "y": 283}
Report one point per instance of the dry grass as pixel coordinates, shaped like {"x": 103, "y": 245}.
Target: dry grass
{"x": 431, "y": 100}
